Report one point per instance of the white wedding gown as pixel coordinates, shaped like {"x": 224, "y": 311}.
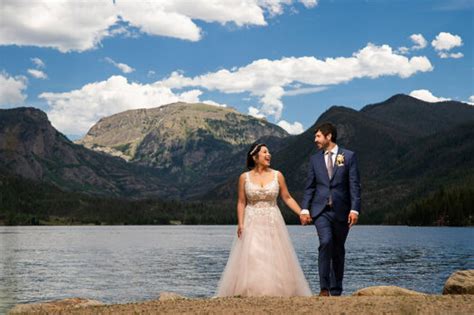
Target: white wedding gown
{"x": 263, "y": 261}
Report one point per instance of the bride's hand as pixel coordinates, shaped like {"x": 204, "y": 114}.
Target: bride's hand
{"x": 240, "y": 230}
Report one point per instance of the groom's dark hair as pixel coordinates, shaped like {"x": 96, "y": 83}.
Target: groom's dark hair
{"x": 327, "y": 128}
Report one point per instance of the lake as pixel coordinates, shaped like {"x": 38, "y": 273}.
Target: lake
{"x": 116, "y": 264}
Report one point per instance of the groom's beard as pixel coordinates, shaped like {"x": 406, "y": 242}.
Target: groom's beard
{"x": 322, "y": 146}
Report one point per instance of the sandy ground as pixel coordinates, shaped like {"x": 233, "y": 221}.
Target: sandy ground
{"x": 429, "y": 304}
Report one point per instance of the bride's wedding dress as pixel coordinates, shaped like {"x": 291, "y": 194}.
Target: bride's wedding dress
{"x": 263, "y": 261}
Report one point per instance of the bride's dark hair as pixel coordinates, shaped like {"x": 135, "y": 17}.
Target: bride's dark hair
{"x": 253, "y": 151}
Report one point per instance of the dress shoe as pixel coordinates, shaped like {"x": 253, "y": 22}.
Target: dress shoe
{"x": 324, "y": 292}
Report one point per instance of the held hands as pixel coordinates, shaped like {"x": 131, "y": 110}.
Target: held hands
{"x": 352, "y": 219}
{"x": 305, "y": 219}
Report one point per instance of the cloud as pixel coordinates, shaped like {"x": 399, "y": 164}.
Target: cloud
{"x": 82, "y": 25}
{"x": 76, "y": 111}
{"x": 63, "y": 25}
{"x": 121, "y": 66}
{"x": 471, "y": 100}
{"x": 210, "y": 102}
{"x": 444, "y": 55}
{"x": 38, "y": 74}
{"x": 253, "y": 111}
{"x": 419, "y": 41}
{"x": 402, "y": 50}
{"x": 446, "y": 41}
{"x": 293, "y": 129}
{"x": 38, "y": 63}
{"x": 266, "y": 79}
{"x": 306, "y": 90}
{"x": 12, "y": 90}
{"x": 427, "y": 96}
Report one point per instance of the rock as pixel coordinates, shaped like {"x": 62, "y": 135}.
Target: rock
{"x": 385, "y": 291}
{"x": 460, "y": 282}
{"x": 165, "y": 296}
{"x": 52, "y": 306}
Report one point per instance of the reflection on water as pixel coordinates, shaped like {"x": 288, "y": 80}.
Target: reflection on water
{"x": 131, "y": 263}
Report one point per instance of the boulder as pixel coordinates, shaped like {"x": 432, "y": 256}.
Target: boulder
{"x": 164, "y": 296}
{"x": 384, "y": 290}
{"x": 53, "y": 306}
{"x": 460, "y": 282}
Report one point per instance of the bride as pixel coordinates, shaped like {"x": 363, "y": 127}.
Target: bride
{"x": 262, "y": 260}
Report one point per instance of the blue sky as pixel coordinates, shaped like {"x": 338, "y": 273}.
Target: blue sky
{"x": 287, "y": 61}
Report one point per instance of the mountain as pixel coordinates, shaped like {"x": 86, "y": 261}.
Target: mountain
{"x": 195, "y": 146}
{"x": 415, "y": 160}
{"x": 417, "y": 117}
{"x": 30, "y": 147}
{"x": 398, "y": 161}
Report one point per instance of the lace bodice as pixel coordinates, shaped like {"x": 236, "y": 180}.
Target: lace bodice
{"x": 262, "y": 200}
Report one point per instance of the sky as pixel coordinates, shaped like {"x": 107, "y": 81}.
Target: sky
{"x": 284, "y": 60}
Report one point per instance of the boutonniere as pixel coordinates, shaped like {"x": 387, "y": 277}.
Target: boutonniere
{"x": 340, "y": 160}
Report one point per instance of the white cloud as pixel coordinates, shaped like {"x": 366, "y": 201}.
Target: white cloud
{"x": 63, "y": 25}
{"x": 471, "y": 100}
{"x": 12, "y": 90}
{"x": 253, "y": 111}
{"x": 402, "y": 50}
{"x": 211, "y": 102}
{"x": 266, "y": 79}
{"x": 446, "y": 41}
{"x": 305, "y": 90}
{"x": 419, "y": 41}
{"x": 427, "y": 96}
{"x": 309, "y": 3}
{"x": 76, "y": 111}
{"x": 121, "y": 66}
{"x": 82, "y": 25}
{"x": 38, "y": 74}
{"x": 293, "y": 129}
{"x": 444, "y": 55}
{"x": 38, "y": 63}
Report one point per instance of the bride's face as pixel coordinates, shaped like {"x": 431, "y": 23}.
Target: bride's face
{"x": 263, "y": 157}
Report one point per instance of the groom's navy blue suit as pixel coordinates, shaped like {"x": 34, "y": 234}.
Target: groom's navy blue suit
{"x": 331, "y": 221}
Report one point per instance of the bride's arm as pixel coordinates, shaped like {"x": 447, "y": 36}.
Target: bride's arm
{"x": 241, "y": 203}
{"x": 285, "y": 195}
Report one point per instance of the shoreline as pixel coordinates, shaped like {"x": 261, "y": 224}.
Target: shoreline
{"x": 410, "y": 304}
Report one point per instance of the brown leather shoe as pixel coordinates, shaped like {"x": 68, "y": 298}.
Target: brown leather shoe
{"x": 324, "y": 292}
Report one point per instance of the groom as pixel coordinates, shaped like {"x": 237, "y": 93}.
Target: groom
{"x": 332, "y": 193}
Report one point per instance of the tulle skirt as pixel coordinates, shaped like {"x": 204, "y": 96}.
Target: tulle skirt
{"x": 263, "y": 261}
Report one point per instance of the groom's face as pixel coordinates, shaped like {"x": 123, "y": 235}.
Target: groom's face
{"x": 322, "y": 141}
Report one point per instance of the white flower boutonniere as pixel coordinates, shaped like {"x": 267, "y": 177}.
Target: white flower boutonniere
{"x": 340, "y": 160}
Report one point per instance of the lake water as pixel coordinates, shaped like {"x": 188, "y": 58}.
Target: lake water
{"x": 116, "y": 264}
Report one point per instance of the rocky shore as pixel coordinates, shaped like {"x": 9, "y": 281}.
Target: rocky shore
{"x": 457, "y": 298}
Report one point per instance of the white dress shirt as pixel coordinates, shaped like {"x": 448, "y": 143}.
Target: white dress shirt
{"x": 326, "y": 159}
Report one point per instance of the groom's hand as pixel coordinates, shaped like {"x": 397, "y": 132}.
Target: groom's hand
{"x": 352, "y": 219}
{"x": 305, "y": 219}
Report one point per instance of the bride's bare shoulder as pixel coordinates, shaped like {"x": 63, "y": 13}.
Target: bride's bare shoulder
{"x": 243, "y": 175}
{"x": 279, "y": 174}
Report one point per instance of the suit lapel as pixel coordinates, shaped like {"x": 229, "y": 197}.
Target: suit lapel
{"x": 322, "y": 161}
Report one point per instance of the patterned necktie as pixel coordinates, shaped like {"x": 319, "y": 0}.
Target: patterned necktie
{"x": 330, "y": 165}
{"x": 330, "y": 173}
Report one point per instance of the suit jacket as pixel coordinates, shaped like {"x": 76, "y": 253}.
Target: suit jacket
{"x": 344, "y": 186}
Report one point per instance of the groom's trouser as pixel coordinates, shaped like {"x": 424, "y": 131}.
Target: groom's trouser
{"x": 332, "y": 237}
